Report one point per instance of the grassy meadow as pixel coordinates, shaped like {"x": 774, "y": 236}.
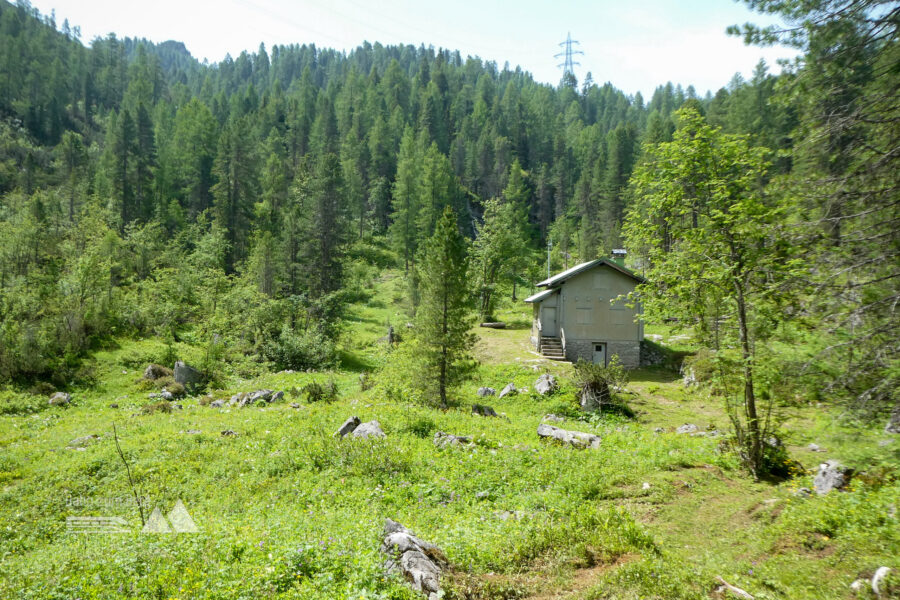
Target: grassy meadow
{"x": 285, "y": 510}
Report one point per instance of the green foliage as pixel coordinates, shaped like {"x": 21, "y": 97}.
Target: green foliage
{"x": 299, "y": 350}
{"x": 320, "y": 392}
{"x": 602, "y": 385}
{"x": 444, "y": 317}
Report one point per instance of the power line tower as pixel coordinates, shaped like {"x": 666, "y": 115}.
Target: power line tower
{"x": 568, "y": 65}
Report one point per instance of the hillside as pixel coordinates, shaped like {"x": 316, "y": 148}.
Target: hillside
{"x": 285, "y": 510}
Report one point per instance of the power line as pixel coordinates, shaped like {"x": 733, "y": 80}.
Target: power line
{"x": 568, "y": 65}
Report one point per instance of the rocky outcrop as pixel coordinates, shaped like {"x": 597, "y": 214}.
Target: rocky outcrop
{"x": 443, "y": 440}
{"x": 545, "y": 384}
{"x": 187, "y": 376}
{"x": 419, "y": 562}
{"x": 687, "y": 428}
{"x": 578, "y": 439}
{"x": 484, "y": 410}
{"x": 370, "y": 430}
{"x": 509, "y": 390}
{"x": 348, "y": 427}
{"x": 832, "y": 475}
{"x": 251, "y": 398}
{"x": 484, "y": 392}
{"x": 59, "y": 399}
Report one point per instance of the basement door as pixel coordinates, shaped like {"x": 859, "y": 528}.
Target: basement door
{"x": 600, "y": 353}
{"x": 548, "y": 321}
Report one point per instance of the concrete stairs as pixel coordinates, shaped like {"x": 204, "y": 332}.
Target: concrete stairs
{"x": 551, "y": 347}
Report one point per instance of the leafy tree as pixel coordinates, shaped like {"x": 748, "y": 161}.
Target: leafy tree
{"x": 711, "y": 239}
{"x": 443, "y": 320}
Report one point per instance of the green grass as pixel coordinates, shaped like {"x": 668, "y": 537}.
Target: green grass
{"x": 285, "y": 510}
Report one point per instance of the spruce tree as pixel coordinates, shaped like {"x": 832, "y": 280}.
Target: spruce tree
{"x": 443, "y": 320}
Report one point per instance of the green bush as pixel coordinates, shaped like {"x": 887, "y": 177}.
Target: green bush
{"x": 603, "y": 384}
{"x": 317, "y": 392}
{"x": 301, "y": 350}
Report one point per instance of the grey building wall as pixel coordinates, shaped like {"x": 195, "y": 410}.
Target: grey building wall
{"x": 629, "y": 353}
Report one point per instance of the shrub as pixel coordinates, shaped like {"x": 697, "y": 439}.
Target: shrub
{"x": 176, "y": 389}
{"x": 155, "y": 407}
{"x": 421, "y": 427}
{"x": 317, "y": 392}
{"x": 300, "y": 350}
{"x": 597, "y": 386}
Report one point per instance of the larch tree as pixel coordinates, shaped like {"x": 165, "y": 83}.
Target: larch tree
{"x": 444, "y": 317}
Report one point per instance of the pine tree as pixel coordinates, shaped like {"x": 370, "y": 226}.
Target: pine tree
{"x": 406, "y": 199}
{"x": 443, "y": 320}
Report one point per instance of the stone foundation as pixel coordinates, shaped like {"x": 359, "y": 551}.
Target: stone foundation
{"x": 629, "y": 353}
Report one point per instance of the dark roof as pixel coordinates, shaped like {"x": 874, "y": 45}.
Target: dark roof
{"x": 568, "y": 274}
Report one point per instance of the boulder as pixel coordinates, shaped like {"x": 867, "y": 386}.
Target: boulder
{"x": 893, "y": 425}
{"x": 277, "y": 396}
{"x": 154, "y": 371}
{"x": 81, "y": 442}
{"x": 369, "y": 430}
{"x": 687, "y": 428}
{"x": 509, "y": 390}
{"x": 484, "y": 392}
{"x": 878, "y": 583}
{"x": 494, "y": 325}
{"x": 348, "y": 427}
{"x": 832, "y": 475}
{"x": 59, "y": 399}
{"x": 187, "y": 376}
{"x": 545, "y": 384}
{"x": 419, "y": 562}
{"x": 217, "y": 404}
{"x": 484, "y": 410}
{"x": 442, "y": 440}
{"x": 229, "y": 433}
{"x": 554, "y": 418}
{"x": 578, "y": 439}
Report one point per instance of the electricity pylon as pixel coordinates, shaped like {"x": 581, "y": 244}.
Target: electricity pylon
{"x": 568, "y": 65}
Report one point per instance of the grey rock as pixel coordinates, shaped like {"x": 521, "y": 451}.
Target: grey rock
{"x": 229, "y": 433}
{"x": 166, "y": 395}
{"x": 59, "y": 399}
{"x": 153, "y": 372}
{"x": 509, "y": 390}
{"x": 832, "y": 475}
{"x": 578, "y": 439}
{"x": 893, "y": 425}
{"x": 859, "y": 585}
{"x": 814, "y": 448}
{"x": 369, "y": 430}
{"x": 878, "y": 580}
{"x": 687, "y": 428}
{"x": 484, "y": 392}
{"x": 82, "y": 442}
{"x": 658, "y": 430}
{"x": 192, "y": 432}
{"x": 348, "y": 427}
{"x": 554, "y": 418}
{"x": 419, "y": 562}
{"x": 217, "y": 404}
{"x": 803, "y": 492}
{"x": 187, "y": 376}
{"x": 494, "y": 325}
{"x": 484, "y": 410}
{"x": 443, "y": 440}
{"x": 114, "y": 405}
{"x": 545, "y": 384}
{"x": 264, "y": 395}
{"x": 277, "y": 396}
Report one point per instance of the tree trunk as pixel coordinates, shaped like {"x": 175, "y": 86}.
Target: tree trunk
{"x": 755, "y": 449}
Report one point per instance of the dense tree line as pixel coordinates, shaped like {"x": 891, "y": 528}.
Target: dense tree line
{"x": 241, "y": 204}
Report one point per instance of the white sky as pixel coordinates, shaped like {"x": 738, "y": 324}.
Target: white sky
{"x": 634, "y": 45}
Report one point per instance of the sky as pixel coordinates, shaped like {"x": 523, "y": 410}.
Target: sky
{"x": 635, "y": 45}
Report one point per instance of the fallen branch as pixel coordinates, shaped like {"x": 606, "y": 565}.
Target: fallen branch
{"x": 137, "y": 497}
{"x": 734, "y": 590}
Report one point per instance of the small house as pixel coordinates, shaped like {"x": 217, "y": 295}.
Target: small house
{"x": 580, "y": 314}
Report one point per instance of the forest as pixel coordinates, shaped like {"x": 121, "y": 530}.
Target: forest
{"x": 330, "y": 228}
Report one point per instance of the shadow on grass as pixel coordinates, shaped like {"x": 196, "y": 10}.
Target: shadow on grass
{"x": 354, "y": 363}
{"x": 657, "y": 374}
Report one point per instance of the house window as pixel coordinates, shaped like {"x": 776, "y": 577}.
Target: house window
{"x": 583, "y": 316}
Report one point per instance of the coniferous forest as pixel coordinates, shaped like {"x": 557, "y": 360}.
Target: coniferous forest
{"x": 260, "y": 215}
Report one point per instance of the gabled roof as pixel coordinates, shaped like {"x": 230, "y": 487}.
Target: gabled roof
{"x": 568, "y": 274}
{"x": 540, "y": 296}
